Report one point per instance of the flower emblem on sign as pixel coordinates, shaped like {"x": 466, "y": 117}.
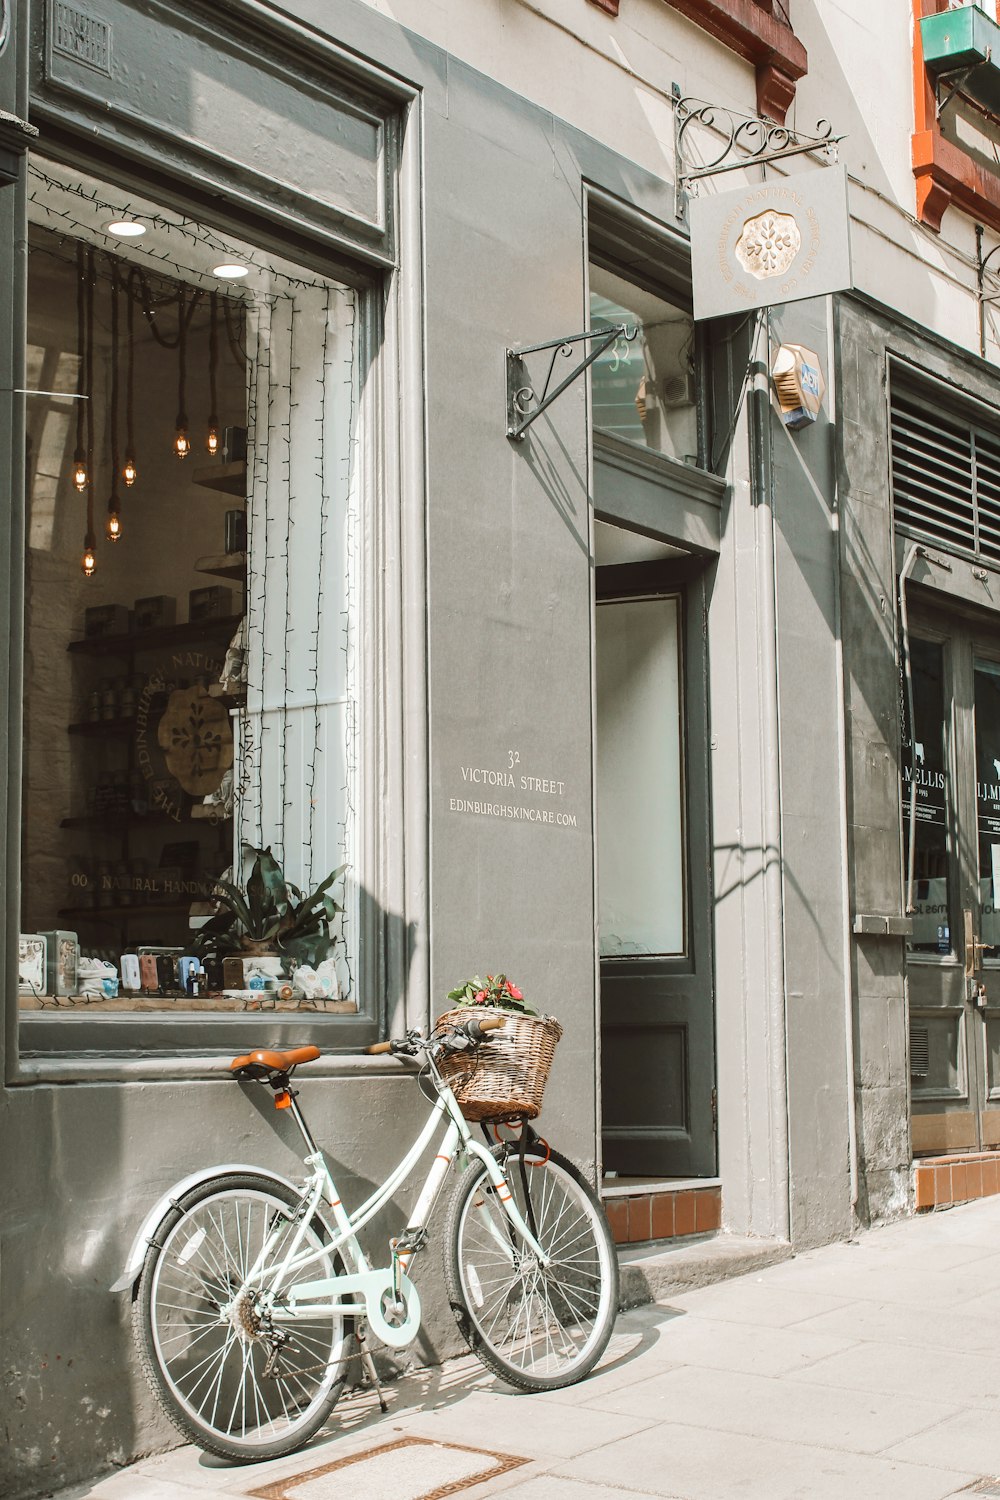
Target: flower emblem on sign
{"x": 196, "y": 739}
{"x": 768, "y": 244}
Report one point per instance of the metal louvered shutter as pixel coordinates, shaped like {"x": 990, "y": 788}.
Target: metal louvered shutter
{"x": 945, "y": 475}
{"x": 933, "y": 471}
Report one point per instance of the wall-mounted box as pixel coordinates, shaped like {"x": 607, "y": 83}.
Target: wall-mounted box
{"x": 212, "y": 603}
{"x": 154, "y": 613}
{"x": 105, "y": 619}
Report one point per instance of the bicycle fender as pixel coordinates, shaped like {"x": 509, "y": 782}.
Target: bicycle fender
{"x": 159, "y": 1211}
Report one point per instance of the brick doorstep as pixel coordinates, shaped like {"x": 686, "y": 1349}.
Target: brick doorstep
{"x": 939, "y": 1181}
{"x": 640, "y": 1212}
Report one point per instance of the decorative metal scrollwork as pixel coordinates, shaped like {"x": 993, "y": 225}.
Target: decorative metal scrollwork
{"x": 745, "y": 140}
{"x": 523, "y": 402}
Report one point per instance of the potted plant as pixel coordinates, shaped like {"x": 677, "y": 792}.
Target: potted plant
{"x": 270, "y": 915}
{"x": 497, "y": 991}
{"x": 503, "y": 1078}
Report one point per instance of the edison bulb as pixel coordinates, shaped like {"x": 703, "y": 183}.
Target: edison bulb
{"x": 88, "y": 562}
{"x": 113, "y": 530}
{"x": 80, "y": 472}
{"x": 182, "y": 443}
{"x": 130, "y": 473}
{"x": 212, "y": 440}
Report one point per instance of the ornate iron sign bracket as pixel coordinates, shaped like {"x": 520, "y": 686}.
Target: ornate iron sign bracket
{"x": 746, "y": 140}
{"x": 523, "y": 404}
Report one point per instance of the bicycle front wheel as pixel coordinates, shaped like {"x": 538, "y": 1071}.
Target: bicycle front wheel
{"x": 537, "y": 1326}
{"x": 231, "y": 1374}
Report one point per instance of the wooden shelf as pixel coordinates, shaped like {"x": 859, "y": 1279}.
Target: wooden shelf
{"x": 226, "y": 565}
{"x": 147, "y": 909}
{"x": 231, "y": 479}
{"x": 135, "y": 820}
{"x": 246, "y": 1001}
{"x": 153, "y": 640}
{"x": 103, "y": 728}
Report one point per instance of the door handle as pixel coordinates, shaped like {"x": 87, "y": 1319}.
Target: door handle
{"x": 973, "y": 948}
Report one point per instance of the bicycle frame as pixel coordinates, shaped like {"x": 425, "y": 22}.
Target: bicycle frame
{"x": 337, "y": 1293}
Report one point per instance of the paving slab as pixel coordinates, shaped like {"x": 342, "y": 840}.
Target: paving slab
{"x": 674, "y": 1459}
{"x": 787, "y": 1410}
{"x": 868, "y": 1370}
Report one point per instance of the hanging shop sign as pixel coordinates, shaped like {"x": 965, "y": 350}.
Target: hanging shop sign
{"x": 772, "y": 242}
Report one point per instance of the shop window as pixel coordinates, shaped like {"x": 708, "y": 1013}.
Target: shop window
{"x": 191, "y": 612}
{"x": 645, "y": 390}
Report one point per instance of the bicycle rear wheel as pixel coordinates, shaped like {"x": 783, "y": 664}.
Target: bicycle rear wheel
{"x": 227, "y": 1377}
{"x": 538, "y": 1327}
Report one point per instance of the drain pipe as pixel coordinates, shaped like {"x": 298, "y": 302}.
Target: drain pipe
{"x": 913, "y": 552}
{"x": 847, "y": 954}
{"x": 763, "y": 498}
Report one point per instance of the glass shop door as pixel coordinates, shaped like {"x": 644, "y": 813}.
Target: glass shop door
{"x": 951, "y": 774}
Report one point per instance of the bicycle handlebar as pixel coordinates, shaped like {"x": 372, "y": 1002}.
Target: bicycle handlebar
{"x": 474, "y": 1028}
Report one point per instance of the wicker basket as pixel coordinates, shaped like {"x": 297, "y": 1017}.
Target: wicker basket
{"x": 504, "y": 1077}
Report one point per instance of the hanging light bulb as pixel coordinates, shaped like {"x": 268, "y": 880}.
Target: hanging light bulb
{"x": 212, "y": 438}
{"x": 182, "y": 443}
{"x": 88, "y": 561}
{"x": 130, "y": 472}
{"x": 113, "y": 529}
{"x": 80, "y": 470}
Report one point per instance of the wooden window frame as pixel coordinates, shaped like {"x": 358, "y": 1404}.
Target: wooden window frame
{"x": 754, "y": 30}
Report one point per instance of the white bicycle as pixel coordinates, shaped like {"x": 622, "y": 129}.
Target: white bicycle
{"x": 253, "y": 1292}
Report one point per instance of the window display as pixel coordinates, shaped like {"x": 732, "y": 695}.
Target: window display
{"x": 190, "y": 706}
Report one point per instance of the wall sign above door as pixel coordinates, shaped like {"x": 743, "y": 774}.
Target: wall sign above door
{"x": 771, "y": 242}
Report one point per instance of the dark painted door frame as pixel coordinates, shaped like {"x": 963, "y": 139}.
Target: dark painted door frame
{"x": 667, "y": 1003}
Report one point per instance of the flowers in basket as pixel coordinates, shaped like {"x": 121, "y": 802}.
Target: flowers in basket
{"x": 495, "y": 991}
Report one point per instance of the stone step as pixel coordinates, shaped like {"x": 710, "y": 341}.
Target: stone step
{"x": 654, "y": 1273}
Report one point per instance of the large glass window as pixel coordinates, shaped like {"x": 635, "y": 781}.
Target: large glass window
{"x": 191, "y": 615}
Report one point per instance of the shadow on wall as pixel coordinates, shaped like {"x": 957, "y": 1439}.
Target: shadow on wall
{"x": 82, "y": 1164}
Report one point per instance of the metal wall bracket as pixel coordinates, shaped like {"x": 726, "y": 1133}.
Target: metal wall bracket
{"x": 955, "y": 82}
{"x": 523, "y": 404}
{"x": 746, "y": 140}
{"x": 983, "y": 268}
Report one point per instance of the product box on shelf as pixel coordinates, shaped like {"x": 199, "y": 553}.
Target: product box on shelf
{"x": 211, "y": 603}
{"x": 32, "y": 952}
{"x": 62, "y": 962}
{"x": 105, "y": 619}
{"x": 154, "y": 613}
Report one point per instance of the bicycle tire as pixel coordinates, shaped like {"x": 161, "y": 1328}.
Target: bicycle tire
{"x": 538, "y": 1329}
{"x": 198, "y": 1344}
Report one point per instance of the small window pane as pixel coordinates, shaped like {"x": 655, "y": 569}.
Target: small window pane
{"x": 639, "y": 778}
{"x": 925, "y": 776}
{"x": 645, "y": 390}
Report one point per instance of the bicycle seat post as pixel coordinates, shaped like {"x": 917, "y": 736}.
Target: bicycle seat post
{"x": 300, "y": 1121}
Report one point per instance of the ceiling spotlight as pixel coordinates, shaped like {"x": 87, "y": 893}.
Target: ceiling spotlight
{"x": 125, "y": 229}
{"x": 231, "y": 271}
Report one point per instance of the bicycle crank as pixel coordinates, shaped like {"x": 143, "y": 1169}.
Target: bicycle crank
{"x": 392, "y": 1310}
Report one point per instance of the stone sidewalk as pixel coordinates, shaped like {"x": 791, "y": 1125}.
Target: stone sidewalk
{"x": 869, "y": 1369}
